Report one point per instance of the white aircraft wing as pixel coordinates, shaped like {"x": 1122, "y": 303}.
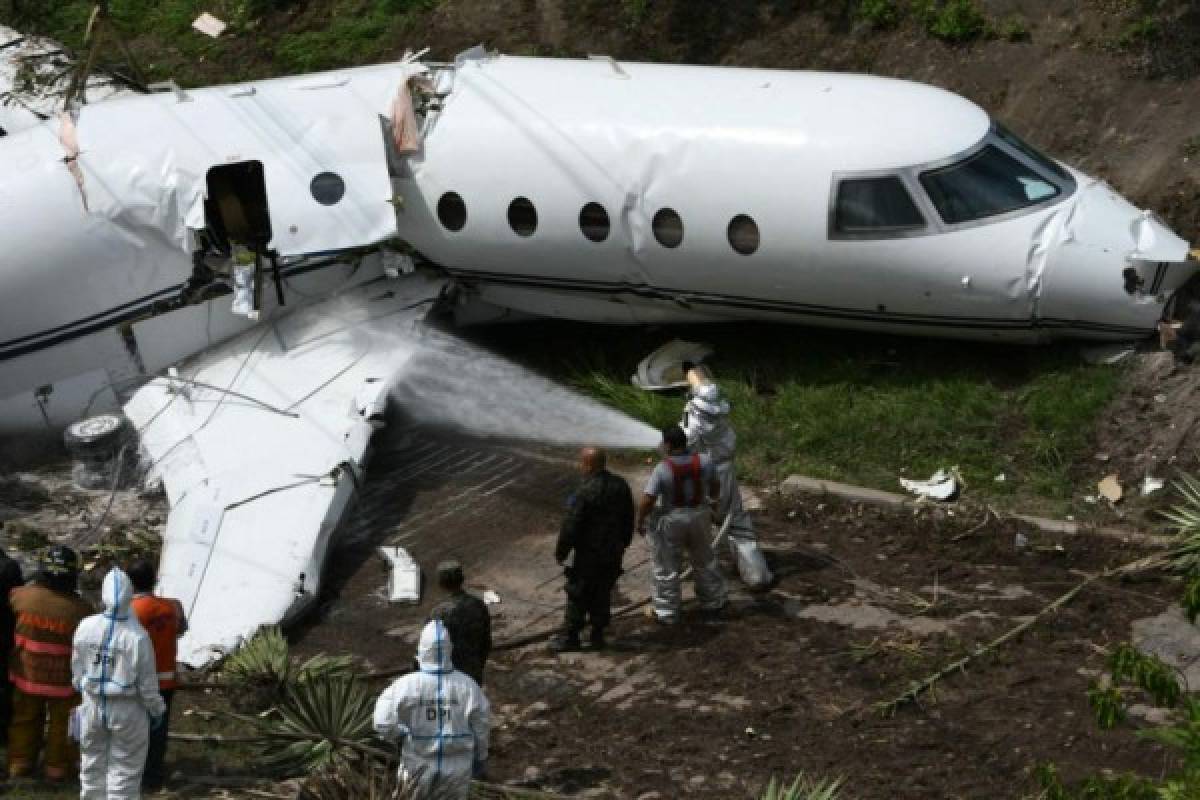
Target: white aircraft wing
{"x": 260, "y": 445}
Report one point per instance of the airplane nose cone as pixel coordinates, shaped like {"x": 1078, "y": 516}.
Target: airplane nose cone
{"x": 1111, "y": 267}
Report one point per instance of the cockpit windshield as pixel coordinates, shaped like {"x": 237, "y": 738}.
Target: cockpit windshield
{"x": 987, "y": 183}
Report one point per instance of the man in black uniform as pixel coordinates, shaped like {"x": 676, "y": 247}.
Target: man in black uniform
{"x": 598, "y": 528}
{"x": 467, "y": 620}
{"x": 10, "y": 578}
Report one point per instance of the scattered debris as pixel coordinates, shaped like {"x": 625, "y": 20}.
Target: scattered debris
{"x": 1001, "y": 478}
{"x": 1107, "y": 354}
{"x": 209, "y": 25}
{"x": 663, "y": 369}
{"x": 917, "y": 688}
{"x": 1150, "y": 485}
{"x": 1110, "y": 489}
{"x": 404, "y": 584}
{"x": 942, "y": 485}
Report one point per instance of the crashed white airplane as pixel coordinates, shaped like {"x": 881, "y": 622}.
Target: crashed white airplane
{"x": 589, "y": 190}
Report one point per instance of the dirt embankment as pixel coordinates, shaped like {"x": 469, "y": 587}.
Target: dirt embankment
{"x": 1101, "y": 84}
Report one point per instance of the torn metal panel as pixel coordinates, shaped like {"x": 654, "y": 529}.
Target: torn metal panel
{"x": 260, "y": 446}
{"x": 404, "y": 580}
{"x": 663, "y": 369}
{"x": 318, "y": 139}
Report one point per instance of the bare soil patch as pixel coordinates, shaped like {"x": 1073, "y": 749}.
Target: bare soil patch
{"x": 867, "y": 601}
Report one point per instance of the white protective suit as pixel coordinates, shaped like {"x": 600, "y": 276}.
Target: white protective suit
{"x": 706, "y": 423}
{"x": 444, "y": 716}
{"x": 112, "y": 666}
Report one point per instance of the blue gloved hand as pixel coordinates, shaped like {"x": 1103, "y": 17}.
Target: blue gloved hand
{"x": 479, "y": 769}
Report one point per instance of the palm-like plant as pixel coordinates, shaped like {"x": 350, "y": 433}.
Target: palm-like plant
{"x": 803, "y": 788}
{"x": 369, "y": 781}
{"x": 262, "y": 667}
{"x": 320, "y": 724}
{"x": 1185, "y": 552}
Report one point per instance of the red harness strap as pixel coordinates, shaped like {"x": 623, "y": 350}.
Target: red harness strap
{"x": 689, "y": 471}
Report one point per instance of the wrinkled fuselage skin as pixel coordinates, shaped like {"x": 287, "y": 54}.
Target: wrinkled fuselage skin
{"x": 87, "y": 271}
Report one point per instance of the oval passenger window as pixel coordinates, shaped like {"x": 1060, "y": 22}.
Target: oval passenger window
{"x": 327, "y": 188}
{"x": 593, "y": 221}
{"x": 522, "y": 216}
{"x": 743, "y": 234}
{"x": 668, "y": 228}
{"x": 452, "y": 211}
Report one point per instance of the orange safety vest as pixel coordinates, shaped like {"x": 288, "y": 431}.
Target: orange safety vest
{"x": 162, "y": 618}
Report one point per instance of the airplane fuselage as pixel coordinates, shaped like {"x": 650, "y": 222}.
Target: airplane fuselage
{"x": 590, "y": 190}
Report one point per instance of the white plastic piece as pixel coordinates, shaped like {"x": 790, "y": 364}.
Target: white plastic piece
{"x": 404, "y": 583}
{"x": 942, "y": 485}
{"x": 1150, "y": 485}
{"x": 209, "y": 25}
{"x": 491, "y": 598}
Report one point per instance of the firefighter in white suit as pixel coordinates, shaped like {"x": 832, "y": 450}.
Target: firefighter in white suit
{"x": 706, "y": 423}
{"x": 112, "y": 666}
{"x": 442, "y": 718}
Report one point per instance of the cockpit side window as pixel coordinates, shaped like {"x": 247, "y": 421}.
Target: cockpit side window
{"x": 875, "y": 206}
{"x": 988, "y": 183}
{"x": 1025, "y": 149}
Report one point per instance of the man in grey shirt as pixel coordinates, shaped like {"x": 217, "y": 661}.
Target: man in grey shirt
{"x": 678, "y": 499}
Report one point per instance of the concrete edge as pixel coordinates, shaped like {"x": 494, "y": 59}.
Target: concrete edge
{"x": 800, "y": 484}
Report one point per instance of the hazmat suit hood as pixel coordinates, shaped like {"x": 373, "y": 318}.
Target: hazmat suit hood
{"x": 433, "y": 650}
{"x": 117, "y": 594}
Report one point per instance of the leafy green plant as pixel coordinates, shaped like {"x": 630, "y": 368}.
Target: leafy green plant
{"x": 1164, "y": 686}
{"x": 803, "y": 788}
{"x": 879, "y": 14}
{"x": 951, "y": 20}
{"x": 635, "y": 11}
{"x": 1014, "y": 29}
{"x": 1119, "y": 787}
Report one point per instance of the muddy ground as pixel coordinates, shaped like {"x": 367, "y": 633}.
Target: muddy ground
{"x": 866, "y": 601}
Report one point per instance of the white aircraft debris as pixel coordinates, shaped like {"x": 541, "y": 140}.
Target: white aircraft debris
{"x": 943, "y": 485}
{"x": 663, "y": 369}
{"x": 260, "y": 446}
{"x": 404, "y": 580}
{"x": 209, "y": 25}
{"x": 1150, "y": 485}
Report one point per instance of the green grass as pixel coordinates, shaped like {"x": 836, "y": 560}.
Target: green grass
{"x": 860, "y": 409}
{"x": 264, "y": 37}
